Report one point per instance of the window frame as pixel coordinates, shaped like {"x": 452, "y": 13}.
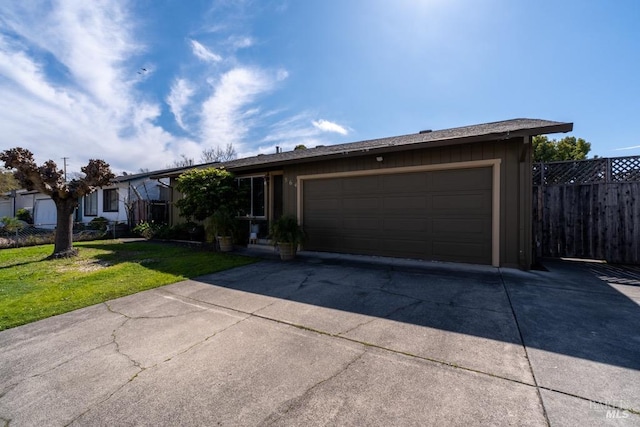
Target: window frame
{"x": 107, "y": 200}
{"x": 252, "y": 209}
{"x": 85, "y": 206}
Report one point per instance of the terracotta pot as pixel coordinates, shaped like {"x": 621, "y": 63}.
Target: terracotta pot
{"x": 226, "y": 243}
{"x": 287, "y": 251}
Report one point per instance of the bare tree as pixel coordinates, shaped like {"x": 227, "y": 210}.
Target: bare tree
{"x": 218, "y": 154}
{"x": 182, "y": 162}
{"x": 49, "y": 180}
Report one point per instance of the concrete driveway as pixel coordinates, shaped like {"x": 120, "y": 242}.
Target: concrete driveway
{"x": 338, "y": 340}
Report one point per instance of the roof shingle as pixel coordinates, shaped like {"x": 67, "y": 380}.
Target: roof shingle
{"x": 496, "y": 130}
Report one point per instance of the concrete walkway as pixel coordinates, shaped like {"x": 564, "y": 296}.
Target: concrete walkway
{"x": 338, "y": 340}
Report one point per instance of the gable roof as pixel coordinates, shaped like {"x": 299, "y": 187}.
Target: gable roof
{"x": 482, "y": 132}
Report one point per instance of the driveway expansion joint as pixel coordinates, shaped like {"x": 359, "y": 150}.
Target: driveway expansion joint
{"x": 204, "y": 340}
{"x": 526, "y": 353}
{"x": 586, "y": 399}
{"x": 386, "y": 316}
{"x": 170, "y": 316}
{"x": 367, "y": 344}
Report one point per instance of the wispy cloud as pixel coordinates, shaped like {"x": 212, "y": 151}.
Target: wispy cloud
{"x": 627, "y": 148}
{"x": 178, "y": 99}
{"x": 203, "y": 53}
{"x": 73, "y": 85}
{"x": 327, "y": 126}
{"x": 69, "y": 89}
{"x": 241, "y": 42}
{"x": 227, "y": 113}
{"x": 291, "y": 131}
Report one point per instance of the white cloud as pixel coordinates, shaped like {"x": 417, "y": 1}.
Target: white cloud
{"x": 327, "y": 126}
{"x": 627, "y": 148}
{"x": 292, "y": 131}
{"x": 90, "y": 107}
{"x": 226, "y": 115}
{"x": 203, "y": 53}
{"x": 178, "y": 99}
{"x": 70, "y": 85}
{"x": 241, "y": 42}
{"x": 282, "y": 74}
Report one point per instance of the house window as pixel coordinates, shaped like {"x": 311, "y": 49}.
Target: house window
{"x": 110, "y": 200}
{"x": 91, "y": 204}
{"x": 252, "y": 190}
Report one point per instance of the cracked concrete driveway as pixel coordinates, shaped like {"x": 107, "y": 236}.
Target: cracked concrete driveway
{"x": 337, "y": 340}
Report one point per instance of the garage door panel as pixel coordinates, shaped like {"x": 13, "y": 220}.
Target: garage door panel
{"x": 360, "y": 185}
{"x": 352, "y": 224}
{"x": 322, "y": 222}
{"x": 361, "y": 204}
{"x": 444, "y": 215}
{"x": 411, "y": 225}
{"x": 329, "y": 188}
{"x": 457, "y": 202}
{"x": 320, "y": 205}
{"x": 325, "y": 240}
{"x": 362, "y": 244}
{"x": 406, "y": 203}
{"x": 404, "y": 247}
{"x": 462, "y": 179}
{"x": 403, "y": 183}
{"x": 459, "y": 229}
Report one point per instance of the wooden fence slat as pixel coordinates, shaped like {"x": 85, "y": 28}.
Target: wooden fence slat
{"x": 594, "y": 220}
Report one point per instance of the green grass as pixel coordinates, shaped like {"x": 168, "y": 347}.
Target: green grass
{"x": 33, "y": 287}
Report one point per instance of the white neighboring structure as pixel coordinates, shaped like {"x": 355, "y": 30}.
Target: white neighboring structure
{"x": 44, "y": 211}
{"x": 12, "y": 201}
{"x": 131, "y": 198}
{"x": 137, "y": 194}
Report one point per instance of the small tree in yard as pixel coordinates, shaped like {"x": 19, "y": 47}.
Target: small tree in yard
{"x": 206, "y": 191}
{"x": 49, "y": 180}
{"x": 211, "y": 194}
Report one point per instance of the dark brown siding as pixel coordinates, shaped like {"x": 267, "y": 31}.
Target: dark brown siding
{"x": 515, "y": 249}
{"x": 440, "y": 215}
{"x": 515, "y": 178}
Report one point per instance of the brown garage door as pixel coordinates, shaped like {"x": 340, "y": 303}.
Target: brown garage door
{"x": 437, "y": 215}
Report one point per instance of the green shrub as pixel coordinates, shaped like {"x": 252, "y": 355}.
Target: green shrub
{"x": 24, "y": 215}
{"x": 99, "y": 223}
{"x": 146, "y": 229}
{"x": 11, "y": 225}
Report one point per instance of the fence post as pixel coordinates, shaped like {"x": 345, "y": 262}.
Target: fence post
{"x": 607, "y": 174}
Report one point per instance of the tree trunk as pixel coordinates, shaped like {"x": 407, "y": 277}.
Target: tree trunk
{"x": 63, "y": 246}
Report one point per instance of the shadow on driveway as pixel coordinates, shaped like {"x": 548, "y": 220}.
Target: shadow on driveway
{"x": 565, "y": 330}
{"x": 566, "y": 310}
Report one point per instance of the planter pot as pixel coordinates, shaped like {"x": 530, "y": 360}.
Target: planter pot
{"x": 226, "y": 243}
{"x": 287, "y": 251}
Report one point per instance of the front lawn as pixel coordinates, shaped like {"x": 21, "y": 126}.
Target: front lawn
{"x": 33, "y": 288}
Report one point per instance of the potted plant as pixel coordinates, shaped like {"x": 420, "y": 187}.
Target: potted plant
{"x": 220, "y": 226}
{"x": 287, "y": 234}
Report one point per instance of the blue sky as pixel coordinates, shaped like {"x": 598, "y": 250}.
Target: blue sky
{"x": 276, "y": 72}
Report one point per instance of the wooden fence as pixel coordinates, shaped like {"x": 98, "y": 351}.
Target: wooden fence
{"x": 588, "y": 209}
